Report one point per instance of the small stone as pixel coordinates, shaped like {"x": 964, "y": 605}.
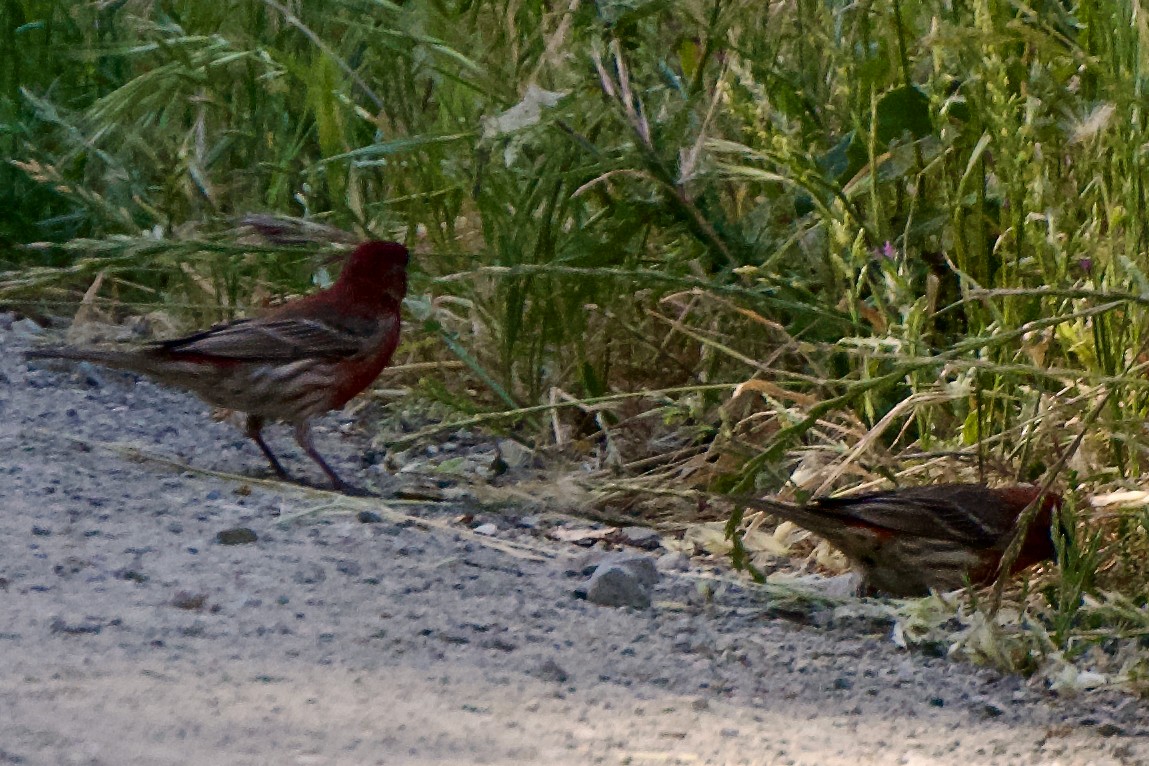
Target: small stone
{"x": 60, "y": 625}
{"x": 420, "y": 493}
{"x": 937, "y": 702}
{"x": 372, "y": 457}
{"x": 348, "y": 567}
{"x": 584, "y": 564}
{"x": 89, "y": 374}
{"x": 309, "y": 574}
{"x": 641, "y": 537}
{"x": 26, "y": 328}
{"x": 368, "y": 517}
{"x": 842, "y": 683}
{"x": 699, "y": 704}
{"x": 513, "y": 453}
{"x": 729, "y": 733}
{"x": 70, "y": 566}
{"x": 675, "y": 561}
{"x": 497, "y": 467}
{"x": 990, "y": 709}
{"x": 616, "y": 585}
{"x": 195, "y": 630}
{"x": 236, "y": 536}
{"x": 1110, "y": 729}
{"x": 551, "y": 671}
{"x": 488, "y": 529}
{"x": 642, "y": 567}
{"x": 193, "y": 602}
{"x": 41, "y": 531}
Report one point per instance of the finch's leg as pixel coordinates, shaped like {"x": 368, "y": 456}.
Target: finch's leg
{"x": 254, "y": 432}
{"x": 303, "y": 439}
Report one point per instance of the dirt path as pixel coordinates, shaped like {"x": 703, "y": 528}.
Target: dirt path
{"x": 129, "y": 635}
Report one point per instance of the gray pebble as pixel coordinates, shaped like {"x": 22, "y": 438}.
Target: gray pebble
{"x": 641, "y": 567}
{"x": 236, "y": 536}
{"x": 989, "y": 708}
{"x": 309, "y": 574}
{"x": 641, "y": 537}
{"x": 26, "y": 328}
{"x": 675, "y": 561}
{"x": 615, "y": 585}
{"x": 1110, "y": 729}
{"x": 86, "y": 626}
{"x": 551, "y": 671}
{"x": 90, "y": 375}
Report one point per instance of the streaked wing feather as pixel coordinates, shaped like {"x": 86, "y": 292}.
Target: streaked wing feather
{"x": 279, "y": 339}
{"x": 956, "y": 517}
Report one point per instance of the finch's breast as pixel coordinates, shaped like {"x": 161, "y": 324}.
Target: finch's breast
{"x": 292, "y": 391}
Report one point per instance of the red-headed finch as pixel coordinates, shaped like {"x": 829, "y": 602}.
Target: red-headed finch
{"x": 296, "y": 362}
{"x": 940, "y": 536}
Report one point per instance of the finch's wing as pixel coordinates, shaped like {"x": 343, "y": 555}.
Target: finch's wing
{"x": 282, "y": 339}
{"x": 968, "y": 514}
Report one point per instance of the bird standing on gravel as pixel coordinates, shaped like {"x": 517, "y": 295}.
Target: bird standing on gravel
{"x": 298, "y": 361}
{"x": 941, "y": 536}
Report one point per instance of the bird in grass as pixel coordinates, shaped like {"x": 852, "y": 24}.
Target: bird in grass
{"x": 301, "y": 359}
{"x": 941, "y": 536}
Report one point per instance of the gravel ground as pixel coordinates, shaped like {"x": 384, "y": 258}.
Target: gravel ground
{"x": 129, "y": 634}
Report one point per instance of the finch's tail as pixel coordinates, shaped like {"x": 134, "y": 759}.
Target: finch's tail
{"x": 819, "y": 521}
{"x": 120, "y": 360}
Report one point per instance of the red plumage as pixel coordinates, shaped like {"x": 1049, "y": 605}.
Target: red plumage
{"x": 941, "y": 536}
{"x": 294, "y": 363}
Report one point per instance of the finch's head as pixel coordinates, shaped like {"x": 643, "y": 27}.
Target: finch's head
{"x": 1038, "y": 545}
{"x": 380, "y": 258}
{"x": 373, "y": 269}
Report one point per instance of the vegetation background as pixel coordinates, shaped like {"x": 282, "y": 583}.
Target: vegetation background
{"x": 795, "y": 246}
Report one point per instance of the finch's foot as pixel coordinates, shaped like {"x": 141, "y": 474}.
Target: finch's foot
{"x": 303, "y": 438}
{"x": 341, "y": 487}
{"x": 353, "y": 491}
